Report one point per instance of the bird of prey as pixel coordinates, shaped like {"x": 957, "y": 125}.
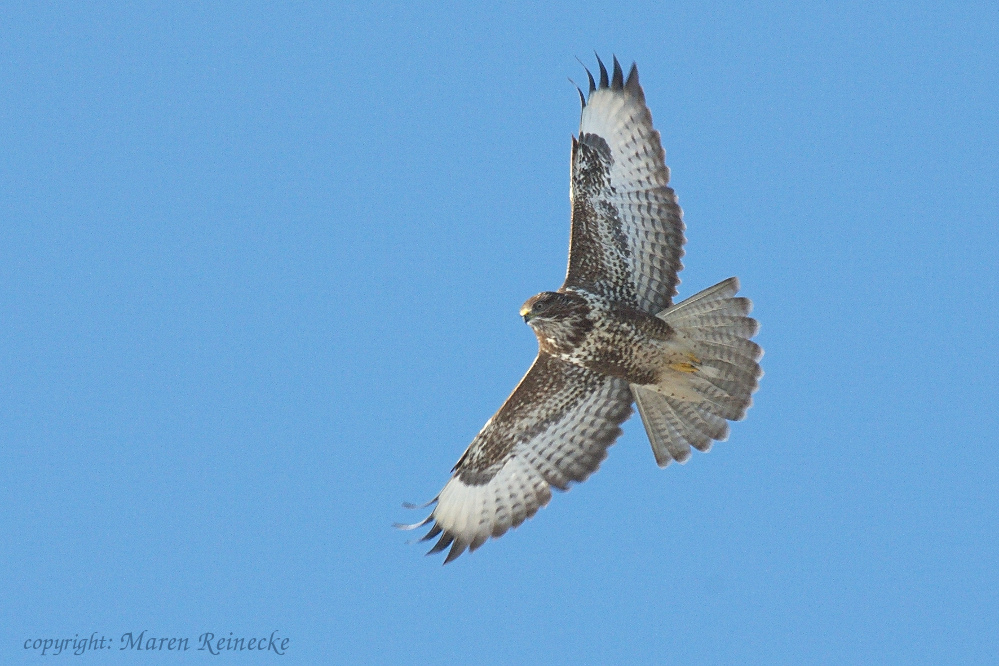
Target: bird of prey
{"x": 610, "y": 336}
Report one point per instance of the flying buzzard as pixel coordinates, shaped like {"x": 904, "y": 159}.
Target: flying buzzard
{"x": 608, "y": 337}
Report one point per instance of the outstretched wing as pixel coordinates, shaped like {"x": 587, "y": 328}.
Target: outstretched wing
{"x": 627, "y": 229}
{"x": 553, "y": 429}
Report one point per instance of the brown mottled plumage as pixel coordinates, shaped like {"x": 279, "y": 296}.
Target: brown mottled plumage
{"x": 608, "y": 337}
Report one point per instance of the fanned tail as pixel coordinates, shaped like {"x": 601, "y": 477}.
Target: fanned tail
{"x": 718, "y": 383}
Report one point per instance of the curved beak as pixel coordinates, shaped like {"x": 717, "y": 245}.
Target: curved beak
{"x": 525, "y": 312}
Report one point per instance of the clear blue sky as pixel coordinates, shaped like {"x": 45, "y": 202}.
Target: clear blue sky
{"x": 260, "y": 268}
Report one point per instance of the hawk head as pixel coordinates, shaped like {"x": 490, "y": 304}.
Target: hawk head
{"x": 559, "y": 319}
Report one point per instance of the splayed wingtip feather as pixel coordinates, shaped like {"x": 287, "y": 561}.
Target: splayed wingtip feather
{"x": 444, "y": 542}
{"x": 617, "y": 81}
{"x": 632, "y": 82}
{"x": 413, "y": 526}
{"x": 457, "y": 548}
{"x": 410, "y": 505}
{"x": 434, "y": 531}
{"x": 604, "y": 81}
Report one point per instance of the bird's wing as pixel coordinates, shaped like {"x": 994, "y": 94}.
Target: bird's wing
{"x": 627, "y": 229}
{"x": 553, "y": 429}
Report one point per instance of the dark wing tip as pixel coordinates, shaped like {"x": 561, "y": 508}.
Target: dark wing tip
{"x": 434, "y": 531}
{"x": 632, "y": 85}
{"x": 444, "y": 542}
{"x": 589, "y": 75}
{"x": 477, "y": 541}
{"x": 457, "y": 548}
{"x": 604, "y": 81}
{"x": 632, "y": 81}
{"x": 617, "y": 82}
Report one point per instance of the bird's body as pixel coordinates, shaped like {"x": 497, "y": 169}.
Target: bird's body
{"x": 608, "y": 338}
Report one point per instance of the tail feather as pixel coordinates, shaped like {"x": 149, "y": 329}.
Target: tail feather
{"x": 735, "y": 354}
{"x": 700, "y": 301}
{"x": 706, "y": 324}
{"x": 726, "y": 372}
{"x": 654, "y": 422}
{"x": 670, "y": 437}
{"x": 728, "y": 307}
{"x": 744, "y": 347}
{"x": 674, "y": 426}
{"x": 719, "y": 402}
{"x": 712, "y": 425}
{"x": 730, "y": 377}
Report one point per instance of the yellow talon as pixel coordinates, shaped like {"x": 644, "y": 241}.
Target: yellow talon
{"x": 683, "y": 367}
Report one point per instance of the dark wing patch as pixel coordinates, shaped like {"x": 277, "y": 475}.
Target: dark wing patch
{"x": 627, "y": 229}
{"x": 553, "y": 429}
